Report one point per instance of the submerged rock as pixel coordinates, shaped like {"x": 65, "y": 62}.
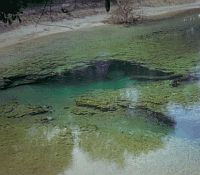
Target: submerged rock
{"x": 89, "y": 70}
{"x": 102, "y": 101}
{"x": 16, "y": 110}
{"x": 83, "y": 111}
{"x": 155, "y": 77}
{"x": 46, "y": 119}
{"x": 4, "y": 83}
{"x": 158, "y": 116}
{"x": 118, "y": 101}
{"x": 184, "y": 79}
{"x": 88, "y": 128}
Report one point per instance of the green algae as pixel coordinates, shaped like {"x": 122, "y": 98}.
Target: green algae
{"x": 153, "y": 96}
{"x": 112, "y": 146}
{"x": 83, "y": 111}
{"x": 34, "y": 149}
{"x": 48, "y": 148}
{"x": 103, "y": 101}
{"x": 117, "y": 133}
{"x": 16, "y": 110}
{"x": 157, "y": 95}
{"x": 170, "y": 46}
{"x": 165, "y": 52}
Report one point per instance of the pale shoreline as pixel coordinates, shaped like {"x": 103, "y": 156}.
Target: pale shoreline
{"x": 33, "y": 31}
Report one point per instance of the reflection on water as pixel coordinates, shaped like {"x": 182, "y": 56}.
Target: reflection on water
{"x": 37, "y": 150}
{"x": 48, "y": 149}
{"x": 131, "y": 94}
{"x": 188, "y": 120}
{"x": 177, "y": 157}
{"x": 114, "y": 145}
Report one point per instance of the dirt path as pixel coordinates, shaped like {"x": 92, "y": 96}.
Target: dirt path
{"x": 28, "y": 32}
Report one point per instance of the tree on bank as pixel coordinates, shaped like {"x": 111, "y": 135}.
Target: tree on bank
{"x": 10, "y": 9}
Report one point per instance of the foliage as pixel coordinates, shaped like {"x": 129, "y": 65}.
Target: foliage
{"x": 10, "y": 9}
{"x": 127, "y": 12}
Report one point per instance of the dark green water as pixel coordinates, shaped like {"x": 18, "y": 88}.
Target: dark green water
{"x": 115, "y": 143}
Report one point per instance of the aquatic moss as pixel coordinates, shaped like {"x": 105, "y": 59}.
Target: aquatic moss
{"x": 35, "y": 149}
{"x": 167, "y": 52}
{"x": 113, "y": 145}
{"x": 170, "y": 46}
{"x": 151, "y": 96}
{"x": 101, "y": 100}
{"x": 16, "y": 110}
{"x": 156, "y": 95}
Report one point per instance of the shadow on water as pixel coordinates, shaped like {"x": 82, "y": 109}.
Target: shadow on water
{"x": 112, "y": 69}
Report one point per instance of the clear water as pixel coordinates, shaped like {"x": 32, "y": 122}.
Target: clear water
{"x": 106, "y": 143}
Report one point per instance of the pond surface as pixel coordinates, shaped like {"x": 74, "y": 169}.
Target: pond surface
{"x": 81, "y": 136}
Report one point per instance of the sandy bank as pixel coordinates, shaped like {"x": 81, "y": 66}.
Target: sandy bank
{"x": 33, "y": 31}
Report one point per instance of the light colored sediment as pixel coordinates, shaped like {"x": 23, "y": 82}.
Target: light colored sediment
{"x": 33, "y": 31}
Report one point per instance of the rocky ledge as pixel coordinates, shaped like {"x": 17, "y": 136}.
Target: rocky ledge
{"x": 16, "y": 110}
{"x": 91, "y": 70}
{"x": 114, "y": 101}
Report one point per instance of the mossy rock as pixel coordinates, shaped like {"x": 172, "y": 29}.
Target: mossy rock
{"x": 157, "y": 95}
{"x": 83, "y": 111}
{"x": 16, "y": 110}
{"x": 104, "y": 101}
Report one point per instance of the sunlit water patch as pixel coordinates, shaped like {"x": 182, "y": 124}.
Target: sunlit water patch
{"x": 178, "y": 157}
{"x": 188, "y": 120}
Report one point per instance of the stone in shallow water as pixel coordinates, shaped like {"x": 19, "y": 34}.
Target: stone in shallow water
{"x": 103, "y": 101}
{"x": 115, "y": 102}
{"x": 156, "y": 116}
{"x": 83, "y": 111}
{"x": 16, "y": 110}
{"x": 90, "y": 70}
{"x": 46, "y": 119}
